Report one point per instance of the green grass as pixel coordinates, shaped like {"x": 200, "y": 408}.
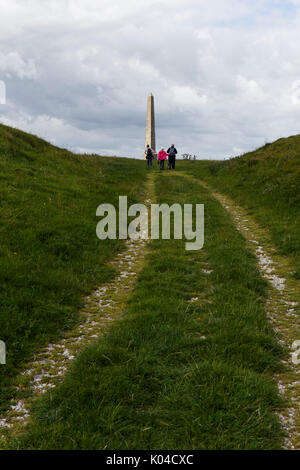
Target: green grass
{"x": 174, "y": 374}
{"x": 49, "y": 253}
{"x": 267, "y": 183}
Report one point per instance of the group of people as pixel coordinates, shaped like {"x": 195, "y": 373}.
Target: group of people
{"x": 162, "y": 155}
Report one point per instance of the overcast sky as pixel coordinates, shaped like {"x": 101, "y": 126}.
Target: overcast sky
{"x": 225, "y": 74}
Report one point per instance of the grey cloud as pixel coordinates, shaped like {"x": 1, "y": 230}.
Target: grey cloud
{"x": 224, "y": 73}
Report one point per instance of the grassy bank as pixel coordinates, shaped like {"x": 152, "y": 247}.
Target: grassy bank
{"x": 49, "y": 253}
{"x": 175, "y": 374}
{"x": 267, "y": 183}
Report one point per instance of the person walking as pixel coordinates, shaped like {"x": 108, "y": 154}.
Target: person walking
{"x": 172, "y": 152}
{"x": 149, "y": 155}
{"x": 162, "y": 156}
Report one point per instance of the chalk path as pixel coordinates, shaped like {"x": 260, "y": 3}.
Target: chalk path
{"x": 102, "y": 307}
{"x": 282, "y": 307}
{"x": 107, "y": 305}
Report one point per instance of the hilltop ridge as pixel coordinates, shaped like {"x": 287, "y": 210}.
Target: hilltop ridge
{"x": 266, "y": 182}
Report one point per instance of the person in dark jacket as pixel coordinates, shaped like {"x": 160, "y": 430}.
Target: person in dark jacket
{"x": 172, "y": 152}
{"x": 149, "y": 155}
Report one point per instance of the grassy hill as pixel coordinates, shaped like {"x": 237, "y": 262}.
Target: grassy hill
{"x": 191, "y": 362}
{"x": 267, "y": 182}
{"x": 49, "y": 253}
{"x": 171, "y": 373}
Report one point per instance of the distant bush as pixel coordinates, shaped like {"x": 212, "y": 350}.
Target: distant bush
{"x": 189, "y": 156}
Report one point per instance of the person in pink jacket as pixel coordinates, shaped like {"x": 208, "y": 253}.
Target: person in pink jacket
{"x": 162, "y": 156}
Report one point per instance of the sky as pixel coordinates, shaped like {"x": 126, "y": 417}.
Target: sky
{"x": 225, "y": 74}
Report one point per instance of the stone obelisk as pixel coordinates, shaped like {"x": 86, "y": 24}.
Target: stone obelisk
{"x": 150, "y": 125}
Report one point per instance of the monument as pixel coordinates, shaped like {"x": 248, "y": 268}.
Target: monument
{"x": 150, "y": 125}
